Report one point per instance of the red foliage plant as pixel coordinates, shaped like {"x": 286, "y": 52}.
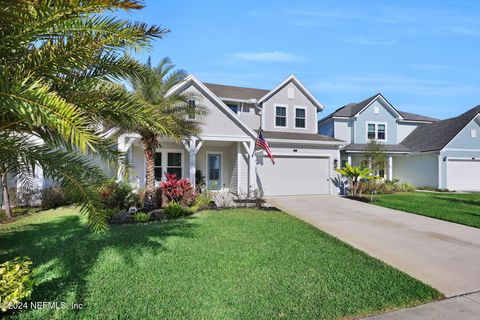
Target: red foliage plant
{"x": 178, "y": 190}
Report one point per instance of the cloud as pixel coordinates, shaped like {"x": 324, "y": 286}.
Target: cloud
{"x": 368, "y": 41}
{"x": 395, "y": 84}
{"x": 272, "y": 56}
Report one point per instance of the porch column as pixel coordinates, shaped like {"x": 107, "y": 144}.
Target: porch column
{"x": 349, "y": 159}
{"x": 390, "y": 168}
{"x": 192, "y": 147}
{"x": 124, "y": 145}
{"x": 252, "y": 181}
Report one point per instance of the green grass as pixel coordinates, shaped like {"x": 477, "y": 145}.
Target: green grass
{"x": 454, "y": 207}
{"x": 235, "y": 264}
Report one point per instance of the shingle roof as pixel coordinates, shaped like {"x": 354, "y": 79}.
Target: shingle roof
{"x": 416, "y": 117}
{"x": 387, "y": 147}
{"x": 435, "y": 136}
{"x": 352, "y": 109}
{"x": 233, "y": 92}
{"x": 299, "y": 136}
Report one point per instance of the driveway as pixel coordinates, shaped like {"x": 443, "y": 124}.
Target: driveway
{"x": 445, "y": 255}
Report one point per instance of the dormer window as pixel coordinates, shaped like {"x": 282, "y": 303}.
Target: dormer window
{"x": 376, "y": 131}
{"x": 300, "y": 118}
{"x": 280, "y": 116}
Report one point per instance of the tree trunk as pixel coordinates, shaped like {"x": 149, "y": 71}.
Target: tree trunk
{"x": 149, "y": 145}
{"x": 6, "y": 197}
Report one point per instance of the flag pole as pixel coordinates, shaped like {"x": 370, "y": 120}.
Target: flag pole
{"x": 258, "y": 135}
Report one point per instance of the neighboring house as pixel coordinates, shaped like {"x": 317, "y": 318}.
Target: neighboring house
{"x": 420, "y": 150}
{"x": 225, "y": 153}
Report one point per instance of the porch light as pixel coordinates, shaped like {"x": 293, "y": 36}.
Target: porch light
{"x": 335, "y": 163}
{"x": 444, "y": 159}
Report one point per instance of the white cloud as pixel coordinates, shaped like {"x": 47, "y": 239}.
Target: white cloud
{"x": 368, "y": 41}
{"x": 395, "y": 83}
{"x": 272, "y": 56}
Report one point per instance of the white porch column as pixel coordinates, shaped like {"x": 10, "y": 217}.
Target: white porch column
{"x": 349, "y": 159}
{"x": 390, "y": 168}
{"x": 252, "y": 181}
{"x": 125, "y": 142}
{"x": 192, "y": 147}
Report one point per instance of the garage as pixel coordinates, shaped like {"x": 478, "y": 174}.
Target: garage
{"x": 463, "y": 174}
{"x": 294, "y": 175}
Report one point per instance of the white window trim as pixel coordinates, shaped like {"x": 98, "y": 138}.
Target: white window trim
{"x": 275, "y": 115}
{"x": 295, "y": 117}
{"x": 221, "y": 168}
{"x": 376, "y": 131}
{"x": 164, "y": 166}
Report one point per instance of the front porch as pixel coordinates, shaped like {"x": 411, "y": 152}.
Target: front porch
{"x": 356, "y": 158}
{"x": 224, "y": 162}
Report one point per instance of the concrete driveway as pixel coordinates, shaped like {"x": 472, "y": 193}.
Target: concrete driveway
{"x": 445, "y": 255}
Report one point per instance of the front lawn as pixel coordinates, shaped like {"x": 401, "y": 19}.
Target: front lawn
{"x": 454, "y": 207}
{"x": 232, "y": 264}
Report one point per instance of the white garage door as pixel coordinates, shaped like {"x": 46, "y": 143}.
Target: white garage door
{"x": 463, "y": 175}
{"x": 294, "y": 176}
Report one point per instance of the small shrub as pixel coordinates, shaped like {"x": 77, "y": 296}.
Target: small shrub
{"x": 203, "y": 201}
{"x": 174, "y": 210}
{"x": 15, "y": 281}
{"x": 29, "y": 197}
{"x": 177, "y": 190}
{"x": 118, "y": 195}
{"x": 141, "y": 217}
{"x": 53, "y": 198}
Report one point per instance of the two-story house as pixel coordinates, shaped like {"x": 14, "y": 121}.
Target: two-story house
{"x": 225, "y": 151}
{"x": 420, "y": 150}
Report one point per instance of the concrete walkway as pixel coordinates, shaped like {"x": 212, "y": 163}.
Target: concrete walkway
{"x": 442, "y": 254}
{"x": 465, "y": 307}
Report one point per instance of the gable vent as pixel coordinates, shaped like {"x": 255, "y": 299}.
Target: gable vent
{"x": 290, "y": 93}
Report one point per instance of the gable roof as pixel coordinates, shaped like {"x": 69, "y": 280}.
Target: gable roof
{"x": 388, "y": 147}
{"x": 191, "y": 79}
{"x": 236, "y": 93}
{"x": 435, "y": 136}
{"x": 352, "y": 109}
{"x": 303, "y": 89}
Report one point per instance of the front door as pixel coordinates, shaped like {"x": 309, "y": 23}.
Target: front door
{"x": 214, "y": 171}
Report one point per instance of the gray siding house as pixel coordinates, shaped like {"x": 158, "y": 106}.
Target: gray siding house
{"x": 225, "y": 150}
{"x": 421, "y": 150}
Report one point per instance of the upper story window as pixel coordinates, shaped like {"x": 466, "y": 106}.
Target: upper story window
{"x": 192, "y": 105}
{"x": 300, "y": 118}
{"x": 376, "y": 131}
{"x": 233, "y": 107}
{"x": 280, "y": 116}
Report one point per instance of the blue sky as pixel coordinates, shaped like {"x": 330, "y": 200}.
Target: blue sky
{"x": 423, "y": 56}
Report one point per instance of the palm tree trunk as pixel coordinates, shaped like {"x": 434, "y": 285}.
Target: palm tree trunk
{"x": 6, "y": 197}
{"x": 149, "y": 145}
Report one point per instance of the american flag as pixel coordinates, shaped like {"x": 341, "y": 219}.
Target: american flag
{"x": 263, "y": 144}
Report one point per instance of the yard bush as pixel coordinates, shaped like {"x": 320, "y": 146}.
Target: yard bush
{"x": 141, "y": 217}
{"x": 174, "y": 210}
{"x": 15, "y": 281}
{"x": 384, "y": 187}
{"x": 203, "y": 201}
{"x": 177, "y": 190}
{"x": 118, "y": 195}
{"x": 53, "y": 198}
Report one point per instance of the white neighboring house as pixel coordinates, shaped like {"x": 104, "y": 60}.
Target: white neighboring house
{"x": 421, "y": 150}
{"x": 305, "y": 160}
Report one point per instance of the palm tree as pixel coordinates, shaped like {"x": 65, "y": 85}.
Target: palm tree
{"x": 59, "y": 94}
{"x": 151, "y": 91}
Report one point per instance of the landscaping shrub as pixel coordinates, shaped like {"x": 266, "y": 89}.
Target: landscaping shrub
{"x": 121, "y": 217}
{"x": 29, "y": 197}
{"x": 203, "y": 201}
{"x": 141, "y": 217}
{"x": 15, "y": 282}
{"x": 53, "y": 198}
{"x": 174, "y": 210}
{"x": 177, "y": 190}
{"x": 118, "y": 195}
